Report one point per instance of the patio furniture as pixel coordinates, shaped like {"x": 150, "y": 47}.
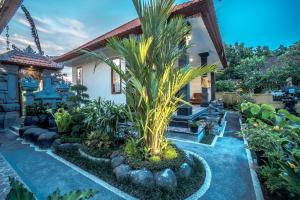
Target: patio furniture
{"x": 197, "y": 98}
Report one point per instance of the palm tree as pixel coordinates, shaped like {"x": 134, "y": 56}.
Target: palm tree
{"x": 152, "y": 73}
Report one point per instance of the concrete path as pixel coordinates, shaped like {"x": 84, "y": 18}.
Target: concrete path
{"x": 42, "y": 173}
{"x": 231, "y": 178}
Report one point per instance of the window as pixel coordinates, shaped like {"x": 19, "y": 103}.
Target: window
{"x": 79, "y": 80}
{"x": 116, "y": 85}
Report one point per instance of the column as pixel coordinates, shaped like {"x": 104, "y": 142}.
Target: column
{"x": 205, "y": 88}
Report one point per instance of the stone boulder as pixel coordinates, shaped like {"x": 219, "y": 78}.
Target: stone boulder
{"x": 32, "y": 134}
{"x": 31, "y": 120}
{"x": 43, "y": 120}
{"x": 46, "y": 139}
{"x": 122, "y": 172}
{"x": 23, "y": 129}
{"x": 166, "y": 179}
{"x": 185, "y": 170}
{"x": 190, "y": 159}
{"x": 56, "y": 143}
{"x": 116, "y": 161}
{"x": 114, "y": 154}
{"x": 142, "y": 178}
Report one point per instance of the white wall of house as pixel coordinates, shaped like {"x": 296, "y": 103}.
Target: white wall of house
{"x": 201, "y": 42}
{"x": 99, "y": 81}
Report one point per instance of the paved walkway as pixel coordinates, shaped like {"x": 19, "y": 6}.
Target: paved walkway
{"x": 42, "y": 173}
{"x": 5, "y": 172}
{"x": 231, "y": 179}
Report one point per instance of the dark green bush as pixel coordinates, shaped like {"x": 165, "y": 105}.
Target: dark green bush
{"x": 225, "y": 85}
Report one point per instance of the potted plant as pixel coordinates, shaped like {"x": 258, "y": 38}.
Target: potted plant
{"x": 193, "y": 126}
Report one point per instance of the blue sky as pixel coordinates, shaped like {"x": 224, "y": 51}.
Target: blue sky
{"x": 66, "y": 24}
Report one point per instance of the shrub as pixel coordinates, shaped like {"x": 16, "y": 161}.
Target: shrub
{"x": 225, "y": 86}
{"x": 169, "y": 153}
{"x": 98, "y": 140}
{"x": 80, "y": 97}
{"x": 104, "y": 115}
{"x": 154, "y": 159}
{"x": 132, "y": 147}
{"x": 140, "y": 163}
{"x": 63, "y": 120}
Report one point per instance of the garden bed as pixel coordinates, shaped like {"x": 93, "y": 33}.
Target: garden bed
{"x": 185, "y": 186}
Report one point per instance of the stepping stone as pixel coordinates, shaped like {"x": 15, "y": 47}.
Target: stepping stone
{"x": 32, "y": 134}
{"x": 46, "y": 140}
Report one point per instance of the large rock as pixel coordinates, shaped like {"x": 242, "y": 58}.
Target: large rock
{"x": 114, "y": 154}
{"x": 46, "y": 140}
{"x": 43, "y": 120}
{"x": 122, "y": 172}
{"x": 142, "y": 178}
{"x": 23, "y": 129}
{"x": 116, "y": 161}
{"x": 56, "y": 143}
{"x": 32, "y": 134}
{"x": 185, "y": 170}
{"x": 31, "y": 120}
{"x": 190, "y": 159}
{"x": 166, "y": 179}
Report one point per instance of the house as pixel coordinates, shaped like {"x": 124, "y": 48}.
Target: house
{"x": 207, "y": 48}
{"x": 15, "y": 65}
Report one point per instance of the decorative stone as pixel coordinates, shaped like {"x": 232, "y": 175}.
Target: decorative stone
{"x": 190, "y": 159}
{"x": 51, "y": 123}
{"x": 65, "y": 146}
{"x": 185, "y": 170}
{"x": 53, "y": 129}
{"x": 31, "y": 120}
{"x": 46, "y": 140}
{"x": 166, "y": 179}
{"x": 23, "y": 129}
{"x": 32, "y": 134}
{"x": 116, "y": 161}
{"x": 122, "y": 172}
{"x": 114, "y": 154}
{"x": 142, "y": 178}
{"x": 43, "y": 120}
{"x": 56, "y": 143}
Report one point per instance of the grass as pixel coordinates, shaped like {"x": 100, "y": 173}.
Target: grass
{"x": 186, "y": 186}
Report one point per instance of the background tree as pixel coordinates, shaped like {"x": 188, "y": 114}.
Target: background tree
{"x": 80, "y": 97}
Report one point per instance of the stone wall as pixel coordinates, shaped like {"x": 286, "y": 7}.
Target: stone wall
{"x": 9, "y": 96}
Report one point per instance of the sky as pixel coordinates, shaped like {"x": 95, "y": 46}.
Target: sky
{"x": 66, "y": 24}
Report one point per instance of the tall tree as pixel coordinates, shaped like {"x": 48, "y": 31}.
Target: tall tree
{"x": 153, "y": 78}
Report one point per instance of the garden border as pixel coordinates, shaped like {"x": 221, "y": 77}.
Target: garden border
{"x": 207, "y": 181}
{"x": 255, "y": 181}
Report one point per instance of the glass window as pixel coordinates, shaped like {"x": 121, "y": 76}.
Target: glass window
{"x": 79, "y": 80}
{"x": 116, "y": 84}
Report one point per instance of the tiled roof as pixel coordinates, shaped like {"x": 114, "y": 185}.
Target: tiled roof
{"x": 28, "y": 58}
{"x": 187, "y": 9}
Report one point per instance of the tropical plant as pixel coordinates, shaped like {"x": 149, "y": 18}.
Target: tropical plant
{"x": 104, "y": 116}
{"x": 152, "y": 78}
{"x": 80, "y": 97}
{"x": 19, "y": 192}
{"x": 63, "y": 120}
{"x": 98, "y": 140}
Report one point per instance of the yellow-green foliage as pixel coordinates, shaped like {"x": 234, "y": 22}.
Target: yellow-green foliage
{"x": 298, "y": 108}
{"x": 169, "y": 153}
{"x": 154, "y": 159}
{"x": 131, "y": 147}
{"x": 63, "y": 120}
